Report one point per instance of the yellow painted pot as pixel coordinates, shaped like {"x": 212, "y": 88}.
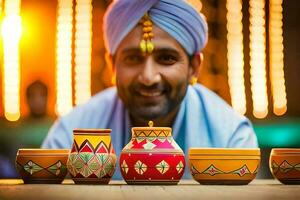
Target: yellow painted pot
{"x": 92, "y": 159}
{"x": 285, "y": 165}
{"x": 224, "y": 165}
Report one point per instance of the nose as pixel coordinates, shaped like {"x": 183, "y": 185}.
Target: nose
{"x": 149, "y": 74}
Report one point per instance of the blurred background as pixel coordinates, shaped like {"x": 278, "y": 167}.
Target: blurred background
{"x": 52, "y": 58}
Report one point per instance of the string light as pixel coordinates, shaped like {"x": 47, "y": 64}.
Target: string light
{"x": 1, "y": 7}
{"x": 276, "y": 57}
{"x": 11, "y": 32}
{"x": 64, "y": 57}
{"x": 83, "y": 49}
{"x": 235, "y": 55}
{"x": 258, "y": 58}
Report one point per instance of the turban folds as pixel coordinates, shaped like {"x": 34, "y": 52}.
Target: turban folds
{"x": 176, "y": 17}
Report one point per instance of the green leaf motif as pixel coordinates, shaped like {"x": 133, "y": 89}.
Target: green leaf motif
{"x": 78, "y": 164}
{"x": 102, "y": 158}
{"x": 86, "y": 172}
{"x": 32, "y": 167}
{"x": 94, "y": 165}
{"x": 86, "y": 156}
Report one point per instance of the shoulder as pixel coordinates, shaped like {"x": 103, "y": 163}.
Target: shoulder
{"x": 212, "y": 103}
{"x": 95, "y": 113}
{"x": 106, "y": 96}
{"x": 89, "y": 114}
{"x": 100, "y": 101}
{"x": 226, "y": 126}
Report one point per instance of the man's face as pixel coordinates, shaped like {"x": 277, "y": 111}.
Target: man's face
{"x": 151, "y": 85}
{"x": 37, "y": 101}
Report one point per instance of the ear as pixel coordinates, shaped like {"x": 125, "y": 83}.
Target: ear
{"x": 109, "y": 61}
{"x": 195, "y": 65}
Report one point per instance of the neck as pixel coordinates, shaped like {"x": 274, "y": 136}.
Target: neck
{"x": 164, "y": 121}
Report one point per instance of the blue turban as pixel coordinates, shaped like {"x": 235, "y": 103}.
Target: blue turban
{"x": 176, "y": 17}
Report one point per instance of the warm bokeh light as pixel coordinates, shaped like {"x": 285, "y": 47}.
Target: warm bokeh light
{"x": 11, "y": 32}
{"x": 235, "y": 55}
{"x": 79, "y": 55}
{"x": 276, "y": 57}
{"x": 83, "y": 50}
{"x": 11, "y": 29}
{"x": 64, "y": 57}
{"x": 196, "y": 4}
{"x": 258, "y": 58}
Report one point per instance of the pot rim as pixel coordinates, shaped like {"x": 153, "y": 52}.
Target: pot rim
{"x": 151, "y": 128}
{"x": 91, "y": 131}
{"x": 151, "y": 132}
{"x": 225, "y": 151}
{"x": 285, "y": 151}
{"x": 38, "y": 151}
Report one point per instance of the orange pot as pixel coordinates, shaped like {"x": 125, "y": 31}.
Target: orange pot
{"x": 224, "y": 165}
{"x": 285, "y": 165}
{"x": 42, "y": 165}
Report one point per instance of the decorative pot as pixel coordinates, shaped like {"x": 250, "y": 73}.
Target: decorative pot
{"x": 224, "y": 166}
{"x": 92, "y": 159}
{"x": 42, "y": 165}
{"x": 152, "y": 157}
{"x": 285, "y": 165}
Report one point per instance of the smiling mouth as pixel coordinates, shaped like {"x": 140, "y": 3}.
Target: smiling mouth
{"x": 150, "y": 94}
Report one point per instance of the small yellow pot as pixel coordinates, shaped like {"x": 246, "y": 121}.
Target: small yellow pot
{"x": 285, "y": 165}
{"x": 42, "y": 165}
{"x": 224, "y": 165}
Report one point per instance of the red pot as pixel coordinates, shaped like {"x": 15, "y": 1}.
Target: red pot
{"x": 152, "y": 157}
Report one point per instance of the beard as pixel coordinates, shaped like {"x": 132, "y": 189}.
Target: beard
{"x": 148, "y": 107}
{"x": 151, "y": 112}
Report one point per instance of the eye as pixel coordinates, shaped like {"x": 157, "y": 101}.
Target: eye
{"x": 133, "y": 59}
{"x": 166, "y": 59}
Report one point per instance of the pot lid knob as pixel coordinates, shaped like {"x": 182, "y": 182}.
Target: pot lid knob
{"x": 150, "y": 123}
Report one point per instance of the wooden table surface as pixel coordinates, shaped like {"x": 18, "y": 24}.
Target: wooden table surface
{"x": 186, "y": 189}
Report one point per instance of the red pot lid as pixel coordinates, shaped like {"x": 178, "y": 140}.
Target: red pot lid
{"x": 150, "y": 130}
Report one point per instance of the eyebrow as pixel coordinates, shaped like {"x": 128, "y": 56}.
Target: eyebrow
{"x": 131, "y": 50}
{"x": 166, "y": 50}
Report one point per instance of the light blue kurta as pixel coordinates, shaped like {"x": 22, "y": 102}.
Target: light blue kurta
{"x": 204, "y": 120}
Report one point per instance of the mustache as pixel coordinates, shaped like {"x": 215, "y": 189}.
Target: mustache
{"x": 155, "y": 87}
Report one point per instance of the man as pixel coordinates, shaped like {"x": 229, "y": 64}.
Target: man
{"x": 154, "y": 48}
{"x": 27, "y": 132}
{"x": 36, "y": 96}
